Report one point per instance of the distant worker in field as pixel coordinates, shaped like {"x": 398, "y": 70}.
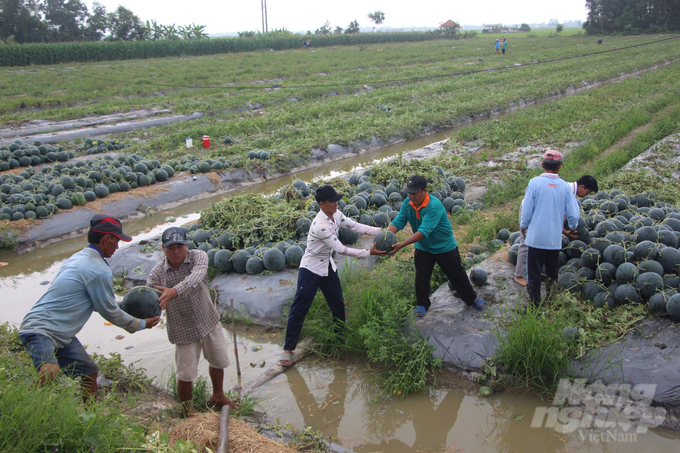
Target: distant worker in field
{"x": 434, "y": 244}
{"x": 193, "y": 322}
{"x": 584, "y": 186}
{"x": 306, "y": 43}
{"x": 83, "y": 284}
{"x": 505, "y": 46}
{"x": 498, "y": 47}
{"x": 548, "y": 200}
{"x": 317, "y": 269}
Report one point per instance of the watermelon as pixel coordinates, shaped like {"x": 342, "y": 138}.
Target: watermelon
{"x": 668, "y": 238}
{"x": 141, "y": 302}
{"x": 626, "y": 273}
{"x": 569, "y": 281}
{"x": 366, "y": 219}
{"x": 671, "y": 281}
{"x": 673, "y": 307}
{"x": 274, "y": 260}
{"x": 604, "y": 299}
{"x": 385, "y": 240}
{"x": 591, "y": 290}
{"x": 649, "y": 284}
{"x": 381, "y": 220}
{"x": 614, "y": 254}
{"x": 670, "y": 260}
{"x": 347, "y": 236}
{"x": 646, "y": 250}
{"x": 226, "y": 240}
{"x": 485, "y": 391}
{"x": 223, "y": 261}
{"x": 657, "y": 303}
{"x": 239, "y": 260}
{"x": 651, "y": 266}
{"x": 605, "y": 273}
{"x": 571, "y": 333}
{"x": 646, "y": 233}
{"x": 590, "y": 258}
{"x": 626, "y": 294}
{"x": 512, "y": 254}
{"x": 293, "y": 256}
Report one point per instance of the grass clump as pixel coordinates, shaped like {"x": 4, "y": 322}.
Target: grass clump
{"x": 534, "y": 351}
{"x": 378, "y": 307}
{"x": 53, "y": 417}
{"x": 532, "y": 348}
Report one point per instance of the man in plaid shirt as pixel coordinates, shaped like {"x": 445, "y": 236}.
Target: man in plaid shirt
{"x": 193, "y": 322}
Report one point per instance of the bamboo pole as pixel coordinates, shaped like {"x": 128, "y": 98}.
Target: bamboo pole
{"x": 277, "y": 369}
{"x": 233, "y": 331}
{"x": 224, "y": 430}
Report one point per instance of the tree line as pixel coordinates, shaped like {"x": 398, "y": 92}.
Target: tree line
{"x": 32, "y": 21}
{"x": 632, "y": 16}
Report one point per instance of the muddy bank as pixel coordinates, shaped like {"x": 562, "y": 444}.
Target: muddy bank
{"x": 42, "y": 126}
{"x": 104, "y": 129}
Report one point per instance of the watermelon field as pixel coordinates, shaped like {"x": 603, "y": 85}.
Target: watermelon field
{"x": 613, "y": 109}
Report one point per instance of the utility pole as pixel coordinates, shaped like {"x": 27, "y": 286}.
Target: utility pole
{"x": 266, "y": 19}
{"x": 262, "y": 10}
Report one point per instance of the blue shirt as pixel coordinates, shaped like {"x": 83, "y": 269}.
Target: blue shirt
{"x": 547, "y": 201}
{"x": 83, "y": 284}
{"x": 433, "y": 224}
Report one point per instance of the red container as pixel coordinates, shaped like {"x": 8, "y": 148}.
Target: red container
{"x": 206, "y": 141}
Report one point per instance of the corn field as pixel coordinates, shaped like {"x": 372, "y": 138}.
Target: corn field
{"x": 80, "y": 52}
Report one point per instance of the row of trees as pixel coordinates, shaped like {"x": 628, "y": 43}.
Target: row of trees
{"x": 25, "y": 21}
{"x": 632, "y": 16}
{"x": 377, "y": 17}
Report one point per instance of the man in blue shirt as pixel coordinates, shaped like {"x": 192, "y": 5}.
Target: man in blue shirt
{"x": 434, "y": 243}
{"x": 83, "y": 284}
{"x": 548, "y": 200}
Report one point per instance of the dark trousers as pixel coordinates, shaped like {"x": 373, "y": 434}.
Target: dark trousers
{"x": 452, "y": 267}
{"x": 307, "y": 285}
{"x": 536, "y": 259}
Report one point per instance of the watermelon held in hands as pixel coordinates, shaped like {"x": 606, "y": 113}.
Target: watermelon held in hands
{"x": 385, "y": 240}
{"x": 141, "y": 302}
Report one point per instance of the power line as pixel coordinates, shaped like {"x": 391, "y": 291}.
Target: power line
{"x": 375, "y": 83}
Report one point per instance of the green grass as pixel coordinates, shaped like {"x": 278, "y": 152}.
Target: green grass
{"x": 53, "y": 417}
{"x": 379, "y": 305}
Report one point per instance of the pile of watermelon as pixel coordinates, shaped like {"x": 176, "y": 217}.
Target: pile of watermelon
{"x": 627, "y": 252}
{"x": 38, "y": 194}
{"x": 20, "y": 154}
{"x": 374, "y": 203}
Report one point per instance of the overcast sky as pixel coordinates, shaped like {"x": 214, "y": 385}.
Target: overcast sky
{"x": 301, "y": 15}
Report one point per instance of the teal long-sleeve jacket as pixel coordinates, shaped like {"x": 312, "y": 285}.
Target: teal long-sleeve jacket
{"x": 433, "y": 224}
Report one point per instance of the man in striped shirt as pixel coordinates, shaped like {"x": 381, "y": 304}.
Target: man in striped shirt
{"x": 317, "y": 269}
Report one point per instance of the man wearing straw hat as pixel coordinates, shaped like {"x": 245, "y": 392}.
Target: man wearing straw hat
{"x": 83, "y": 284}
{"x": 193, "y": 322}
{"x": 548, "y": 200}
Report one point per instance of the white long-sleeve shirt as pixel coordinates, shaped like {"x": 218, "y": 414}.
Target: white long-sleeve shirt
{"x": 322, "y": 240}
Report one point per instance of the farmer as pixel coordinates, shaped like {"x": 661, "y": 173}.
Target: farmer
{"x": 505, "y": 46}
{"x": 83, "y": 284}
{"x": 547, "y": 201}
{"x": 317, "y": 269}
{"x": 498, "y": 46}
{"x": 584, "y": 186}
{"x": 434, "y": 243}
{"x": 193, "y": 323}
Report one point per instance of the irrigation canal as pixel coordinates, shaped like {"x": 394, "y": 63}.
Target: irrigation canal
{"x": 334, "y": 397}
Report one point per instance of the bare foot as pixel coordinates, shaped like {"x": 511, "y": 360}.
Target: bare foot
{"x": 222, "y": 400}
{"x": 521, "y": 280}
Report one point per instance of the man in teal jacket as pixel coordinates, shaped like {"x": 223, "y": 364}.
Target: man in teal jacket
{"x": 83, "y": 284}
{"x": 434, "y": 243}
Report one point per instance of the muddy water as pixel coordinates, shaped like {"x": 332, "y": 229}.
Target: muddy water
{"x": 335, "y": 398}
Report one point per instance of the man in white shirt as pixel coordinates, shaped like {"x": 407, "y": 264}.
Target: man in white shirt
{"x": 317, "y": 269}
{"x": 584, "y": 186}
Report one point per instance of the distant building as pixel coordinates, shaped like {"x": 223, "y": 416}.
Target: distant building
{"x": 498, "y": 28}
{"x": 449, "y": 24}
